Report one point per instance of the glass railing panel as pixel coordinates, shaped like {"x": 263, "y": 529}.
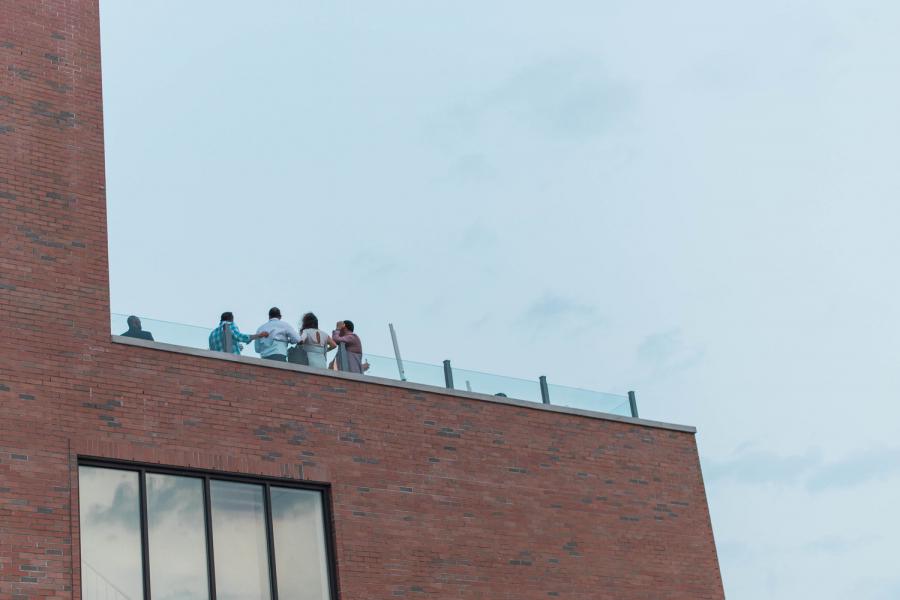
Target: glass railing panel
{"x": 379, "y": 366}
{"x": 424, "y": 373}
{"x": 496, "y": 385}
{"x": 415, "y": 372}
{"x": 615, "y": 404}
{"x": 167, "y": 332}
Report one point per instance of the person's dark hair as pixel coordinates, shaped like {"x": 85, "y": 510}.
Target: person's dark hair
{"x": 274, "y": 313}
{"x": 133, "y": 322}
{"x": 310, "y": 321}
{"x": 348, "y": 324}
{"x": 227, "y": 316}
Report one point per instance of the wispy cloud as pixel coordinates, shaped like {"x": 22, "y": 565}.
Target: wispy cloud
{"x": 471, "y": 167}
{"x": 570, "y": 97}
{"x": 478, "y": 237}
{"x": 809, "y": 469}
{"x": 855, "y": 470}
{"x": 763, "y": 467}
{"x": 551, "y": 309}
{"x": 835, "y": 544}
{"x": 374, "y": 264}
{"x": 481, "y": 322}
{"x": 667, "y": 352}
{"x": 887, "y": 588}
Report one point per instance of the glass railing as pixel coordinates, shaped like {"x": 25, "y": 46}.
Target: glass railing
{"x": 386, "y": 367}
{"x": 589, "y": 400}
{"x": 497, "y": 385}
{"x": 414, "y": 372}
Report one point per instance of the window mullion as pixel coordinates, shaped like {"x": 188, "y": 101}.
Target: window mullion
{"x": 145, "y": 537}
{"x": 210, "y": 553}
{"x": 330, "y": 552}
{"x": 270, "y": 542}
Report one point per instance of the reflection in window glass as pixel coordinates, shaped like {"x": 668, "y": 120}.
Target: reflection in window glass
{"x": 300, "y": 557}
{"x": 109, "y": 505}
{"x": 177, "y": 537}
{"x": 239, "y": 541}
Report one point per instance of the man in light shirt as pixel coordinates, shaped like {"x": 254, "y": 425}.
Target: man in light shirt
{"x": 280, "y": 334}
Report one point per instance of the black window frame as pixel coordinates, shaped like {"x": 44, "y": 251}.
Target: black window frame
{"x": 206, "y": 476}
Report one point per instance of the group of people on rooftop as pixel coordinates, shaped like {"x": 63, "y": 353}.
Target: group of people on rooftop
{"x": 273, "y": 340}
{"x": 278, "y": 340}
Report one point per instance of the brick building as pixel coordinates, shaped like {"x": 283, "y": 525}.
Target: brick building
{"x": 130, "y": 468}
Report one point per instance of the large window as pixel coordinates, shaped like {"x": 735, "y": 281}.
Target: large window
{"x": 163, "y": 534}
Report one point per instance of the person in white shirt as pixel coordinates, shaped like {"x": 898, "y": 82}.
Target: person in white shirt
{"x": 274, "y": 347}
{"x": 314, "y": 341}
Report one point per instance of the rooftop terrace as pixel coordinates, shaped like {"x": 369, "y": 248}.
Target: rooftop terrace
{"x": 384, "y": 370}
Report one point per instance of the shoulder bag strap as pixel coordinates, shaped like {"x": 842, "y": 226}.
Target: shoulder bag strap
{"x": 227, "y": 342}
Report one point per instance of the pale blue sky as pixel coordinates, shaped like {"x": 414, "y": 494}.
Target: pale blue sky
{"x": 695, "y": 200}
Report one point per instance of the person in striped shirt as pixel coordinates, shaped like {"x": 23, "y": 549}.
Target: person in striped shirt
{"x": 228, "y": 338}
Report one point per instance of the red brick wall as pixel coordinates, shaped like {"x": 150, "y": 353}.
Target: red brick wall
{"x": 435, "y": 496}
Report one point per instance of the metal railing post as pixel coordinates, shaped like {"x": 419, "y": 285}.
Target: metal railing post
{"x": 448, "y": 375}
{"x": 632, "y": 401}
{"x": 545, "y": 390}
{"x": 343, "y": 359}
{"x": 397, "y": 352}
